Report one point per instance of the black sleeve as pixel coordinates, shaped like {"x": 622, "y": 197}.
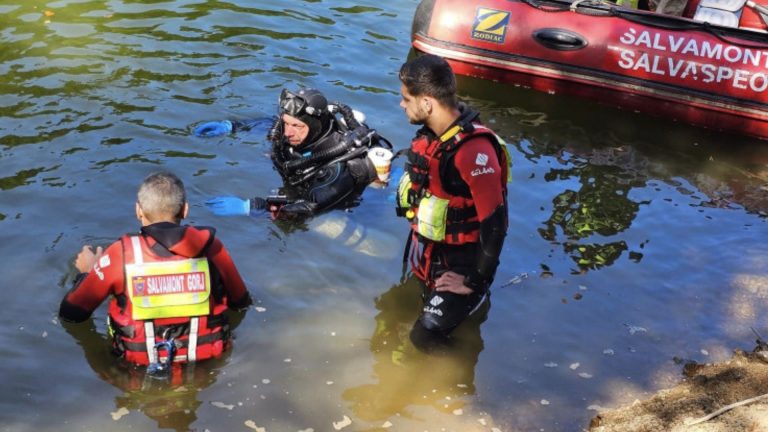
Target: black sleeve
{"x": 263, "y": 123}
{"x": 69, "y": 312}
{"x": 493, "y": 229}
{"x": 362, "y": 171}
{"x": 297, "y": 209}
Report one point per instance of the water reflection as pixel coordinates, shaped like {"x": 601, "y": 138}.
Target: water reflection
{"x": 603, "y": 170}
{"x": 600, "y": 208}
{"x": 731, "y": 171}
{"x": 171, "y": 402}
{"x": 407, "y": 377}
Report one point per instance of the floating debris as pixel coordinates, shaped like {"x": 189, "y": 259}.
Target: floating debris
{"x": 117, "y": 415}
{"x": 544, "y": 402}
{"x": 482, "y": 421}
{"x": 266, "y": 381}
{"x": 288, "y": 360}
{"x": 458, "y": 411}
{"x": 574, "y": 366}
{"x": 386, "y": 425}
{"x": 550, "y": 365}
{"x": 341, "y": 424}
{"x": 252, "y": 425}
{"x": 704, "y": 352}
{"x": 329, "y": 382}
{"x": 596, "y": 408}
{"x": 516, "y": 280}
{"x": 259, "y": 309}
{"x": 223, "y": 405}
{"x": 45, "y": 334}
{"x": 585, "y": 375}
{"x": 608, "y": 351}
{"x": 636, "y": 329}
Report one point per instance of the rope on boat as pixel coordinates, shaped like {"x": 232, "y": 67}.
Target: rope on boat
{"x": 575, "y": 5}
{"x": 606, "y": 8}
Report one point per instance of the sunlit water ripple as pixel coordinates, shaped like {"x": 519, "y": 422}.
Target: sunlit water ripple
{"x": 632, "y": 240}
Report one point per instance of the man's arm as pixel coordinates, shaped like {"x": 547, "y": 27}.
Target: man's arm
{"x": 99, "y": 274}
{"x": 224, "y": 127}
{"x": 237, "y": 294}
{"x": 479, "y": 167}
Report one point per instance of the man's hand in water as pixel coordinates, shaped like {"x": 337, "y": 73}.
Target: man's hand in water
{"x": 452, "y": 282}
{"x": 86, "y": 259}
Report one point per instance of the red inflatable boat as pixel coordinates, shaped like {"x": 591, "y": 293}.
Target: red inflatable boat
{"x": 707, "y": 67}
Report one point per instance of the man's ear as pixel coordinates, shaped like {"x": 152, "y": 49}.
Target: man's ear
{"x": 185, "y": 210}
{"x": 139, "y": 213}
{"x": 426, "y": 105}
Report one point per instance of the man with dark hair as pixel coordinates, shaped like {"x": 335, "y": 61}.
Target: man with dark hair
{"x": 170, "y": 283}
{"x": 321, "y": 159}
{"x": 453, "y": 193}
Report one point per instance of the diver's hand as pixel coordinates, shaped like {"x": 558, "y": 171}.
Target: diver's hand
{"x": 229, "y": 206}
{"x": 214, "y": 128}
{"x": 295, "y": 209}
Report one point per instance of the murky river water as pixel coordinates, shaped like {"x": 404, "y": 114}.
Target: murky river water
{"x": 633, "y": 241}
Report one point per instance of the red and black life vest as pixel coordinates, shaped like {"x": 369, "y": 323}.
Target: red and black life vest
{"x": 156, "y": 288}
{"x": 427, "y": 162}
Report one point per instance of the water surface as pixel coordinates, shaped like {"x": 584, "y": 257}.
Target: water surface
{"x": 633, "y": 241}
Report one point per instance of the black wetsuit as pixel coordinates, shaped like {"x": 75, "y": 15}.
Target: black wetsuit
{"x": 332, "y": 174}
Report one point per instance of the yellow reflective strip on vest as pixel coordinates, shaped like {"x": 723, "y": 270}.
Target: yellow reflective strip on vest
{"x": 450, "y": 133}
{"x": 169, "y": 289}
{"x": 402, "y": 191}
{"x": 432, "y": 216}
{"x": 508, "y": 156}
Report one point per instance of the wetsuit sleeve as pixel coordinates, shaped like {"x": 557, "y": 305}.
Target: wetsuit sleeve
{"x": 91, "y": 289}
{"x": 258, "y": 124}
{"x": 234, "y": 286}
{"x": 334, "y": 186}
{"x": 479, "y": 167}
{"x": 362, "y": 170}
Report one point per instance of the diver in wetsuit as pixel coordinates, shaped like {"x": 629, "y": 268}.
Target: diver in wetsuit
{"x": 320, "y": 158}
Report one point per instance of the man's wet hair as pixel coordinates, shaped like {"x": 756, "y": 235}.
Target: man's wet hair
{"x": 430, "y": 75}
{"x": 161, "y": 195}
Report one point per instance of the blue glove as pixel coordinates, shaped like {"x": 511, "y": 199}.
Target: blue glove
{"x": 214, "y": 128}
{"x": 229, "y": 206}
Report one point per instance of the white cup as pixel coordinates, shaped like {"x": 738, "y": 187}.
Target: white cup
{"x": 382, "y": 160}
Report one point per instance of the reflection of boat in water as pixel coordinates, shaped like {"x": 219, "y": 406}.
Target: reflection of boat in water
{"x": 599, "y": 170}
{"x": 703, "y": 73}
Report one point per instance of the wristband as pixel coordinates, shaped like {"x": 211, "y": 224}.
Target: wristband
{"x": 476, "y": 282}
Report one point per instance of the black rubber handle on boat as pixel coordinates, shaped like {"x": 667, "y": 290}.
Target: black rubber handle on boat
{"x": 559, "y": 39}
